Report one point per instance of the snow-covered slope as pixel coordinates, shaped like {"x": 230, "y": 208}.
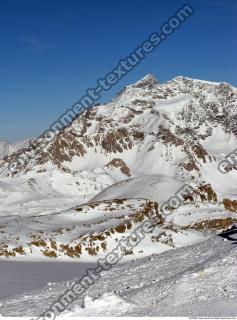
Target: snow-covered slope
{"x": 7, "y": 149}
{"x": 142, "y": 147}
{"x": 197, "y": 280}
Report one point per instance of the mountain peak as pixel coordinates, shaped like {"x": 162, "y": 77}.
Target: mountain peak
{"x": 147, "y": 81}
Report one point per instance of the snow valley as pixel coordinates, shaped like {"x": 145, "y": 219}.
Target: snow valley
{"x": 110, "y": 170}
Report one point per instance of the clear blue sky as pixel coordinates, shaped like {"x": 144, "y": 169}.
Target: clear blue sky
{"x": 52, "y": 51}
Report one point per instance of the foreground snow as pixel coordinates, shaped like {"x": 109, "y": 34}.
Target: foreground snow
{"x": 197, "y": 280}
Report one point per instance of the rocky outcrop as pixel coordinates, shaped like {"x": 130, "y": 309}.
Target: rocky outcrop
{"x": 120, "y": 164}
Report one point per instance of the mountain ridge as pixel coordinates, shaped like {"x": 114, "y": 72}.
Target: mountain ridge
{"x": 7, "y": 148}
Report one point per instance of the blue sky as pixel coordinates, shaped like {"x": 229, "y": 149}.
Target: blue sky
{"x": 52, "y": 51}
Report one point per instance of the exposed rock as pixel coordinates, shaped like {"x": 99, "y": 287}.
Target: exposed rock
{"x": 119, "y": 163}
{"x": 230, "y": 205}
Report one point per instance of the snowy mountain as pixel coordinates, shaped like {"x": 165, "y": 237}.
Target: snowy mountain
{"x": 7, "y": 149}
{"x": 116, "y": 165}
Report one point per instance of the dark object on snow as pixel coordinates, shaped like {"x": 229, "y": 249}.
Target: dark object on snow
{"x": 230, "y": 234}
